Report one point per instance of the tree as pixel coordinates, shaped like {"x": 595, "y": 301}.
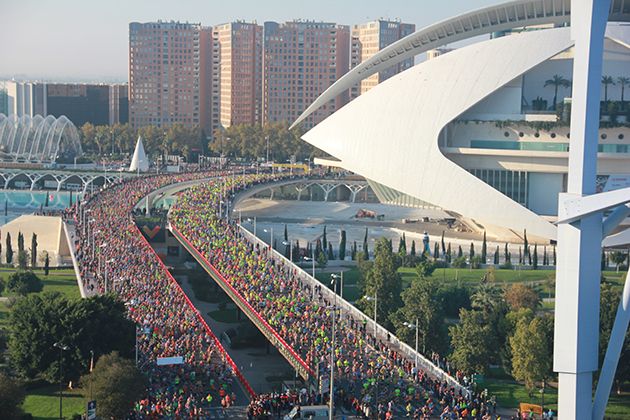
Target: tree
{"x": 531, "y": 358}
{"x": 496, "y": 256}
{"x": 11, "y": 397}
{"x": 413, "y": 248}
{"x": 554, "y": 255}
{"x": 484, "y": 249}
{"x": 383, "y": 281}
{"x": 506, "y": 254}
{"x": 116, "y": 384}
{"x": 525, "y": 245}
{"x": 422, "y": 302}
{"x": 448, "y": 253}
{"x": 436, "y": 251}
{"x": 617, "y": 258}
{"x": 606, "y": 81}
{"x": 331, "y": 255}
{"x": 487, "y": 297}
{"x": 34, "y": 250}
{"x": 366, "y": 252}
{"x": 519, "y": 296}
{"x": 535, "y": 257}
{"x": 623, "y": 81}
{"x": 324, "y": 239}
{"x": 354, "y": 251}
{"x": 425, "y": 267}
{"x": 342, "y": 246}
{"x": 472, "y": 341}
{"x": 20, "y": 241}
{"x": 24, "y": 282}
{"x": 402, "y": 246}
{"x": 545, "y": 257}
{"x": 471, "y": 253}
{"x": 9, "y": 249}
{"x": 46, "y": 264}
{"x": 460, "y": 252}
{"x": 37, "y": 321}
{"x": 443, "y": 245}
{"x": 557, "y": 82}
{"x": 22, "y": 260}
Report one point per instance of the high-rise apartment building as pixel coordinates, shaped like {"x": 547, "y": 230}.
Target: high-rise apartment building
{"x": 237, "y": 74}
{"x": 371, "y": 37}
{"x": 167, "y": 61}
{"x": 301, "y": 60}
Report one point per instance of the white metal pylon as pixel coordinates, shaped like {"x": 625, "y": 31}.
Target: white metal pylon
{"x": 580, "y": 229}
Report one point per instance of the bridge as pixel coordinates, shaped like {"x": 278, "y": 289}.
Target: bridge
{"x": 344, "y": 187}
{"x": 307, "y": 371}
{"x": 80, "y": 181}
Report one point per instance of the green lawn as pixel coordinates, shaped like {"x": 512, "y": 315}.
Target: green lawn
{"x": 62, "y": 281}
{"x": 43, "y": 403}
{"x": 509, "y": 394}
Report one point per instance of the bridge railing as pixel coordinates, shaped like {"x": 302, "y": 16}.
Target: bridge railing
{"x": 218, "y": 344}
{"x": 381, "y": 333}
{"x": 270, "y": 333}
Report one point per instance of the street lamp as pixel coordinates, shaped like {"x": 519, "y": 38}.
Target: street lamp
{"x": 290, "y": 245}
{"x": 270, "y": 231}
{"x": 416, "y": 325}
{"x": 61, "y": 348}
{"x": 340, "y": 277}
{"x": 331, "y": 398}
{"x": 375, "y": 299}
{"x": 249, "y": 220}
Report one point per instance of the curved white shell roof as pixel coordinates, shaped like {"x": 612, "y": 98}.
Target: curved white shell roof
{"x": 495, "y": 18}
{"x": 390, "y": 134}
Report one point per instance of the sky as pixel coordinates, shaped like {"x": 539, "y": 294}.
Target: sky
{"x": 87, "y": 40}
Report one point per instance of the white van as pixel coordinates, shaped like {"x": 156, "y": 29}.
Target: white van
{"x": 308, "y": 412}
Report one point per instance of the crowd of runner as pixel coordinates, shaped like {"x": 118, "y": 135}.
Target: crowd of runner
{"x": 369, "y": 376}
{"x": 113, "y": 256}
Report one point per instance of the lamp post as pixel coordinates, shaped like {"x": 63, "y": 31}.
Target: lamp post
{"x": 416, "y": 325}
{"x": 331, "y": 398}
{"x": 290, "y": 245}
{"x": 312, "y": 258}
{"x": 340, "y": 277}
{"x": 375, "y": 299}
{"x": 61, "y": 348}
{"x": 270, "y": 231}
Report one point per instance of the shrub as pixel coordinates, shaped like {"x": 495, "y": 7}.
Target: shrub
{"x": 24, "y": 282}
{"x": 459, "y": 262}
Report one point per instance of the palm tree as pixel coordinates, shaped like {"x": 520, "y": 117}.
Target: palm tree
{"x": 486, "y": 297}
{"x": 623, "y": 81}
{"x": 607, "y": 80}
{"x": 557, "y": 81}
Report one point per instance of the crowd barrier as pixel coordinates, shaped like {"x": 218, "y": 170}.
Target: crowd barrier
{"x": 381, "y": 333}
{"x": 218, "y": 344}
{"x": 270, "y": 333}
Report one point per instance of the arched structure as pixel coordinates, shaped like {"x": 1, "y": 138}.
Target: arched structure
{"x": 487, "y": 20}
{"x": 38, "y": 139}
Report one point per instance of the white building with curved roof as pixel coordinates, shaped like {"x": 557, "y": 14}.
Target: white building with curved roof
{"x": 475, "y": 131}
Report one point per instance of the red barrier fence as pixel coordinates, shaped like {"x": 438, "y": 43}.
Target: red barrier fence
{"x": 282, "y": 346}
{"x": 229, "y": 360}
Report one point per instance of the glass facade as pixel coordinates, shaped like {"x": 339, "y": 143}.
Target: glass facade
{"x": 519, "y": 145}
{"x": 510, "y": 183}
{"x": 542, "y": 146}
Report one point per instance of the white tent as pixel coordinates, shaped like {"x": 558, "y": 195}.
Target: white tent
{"x": 139, "y": 162}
